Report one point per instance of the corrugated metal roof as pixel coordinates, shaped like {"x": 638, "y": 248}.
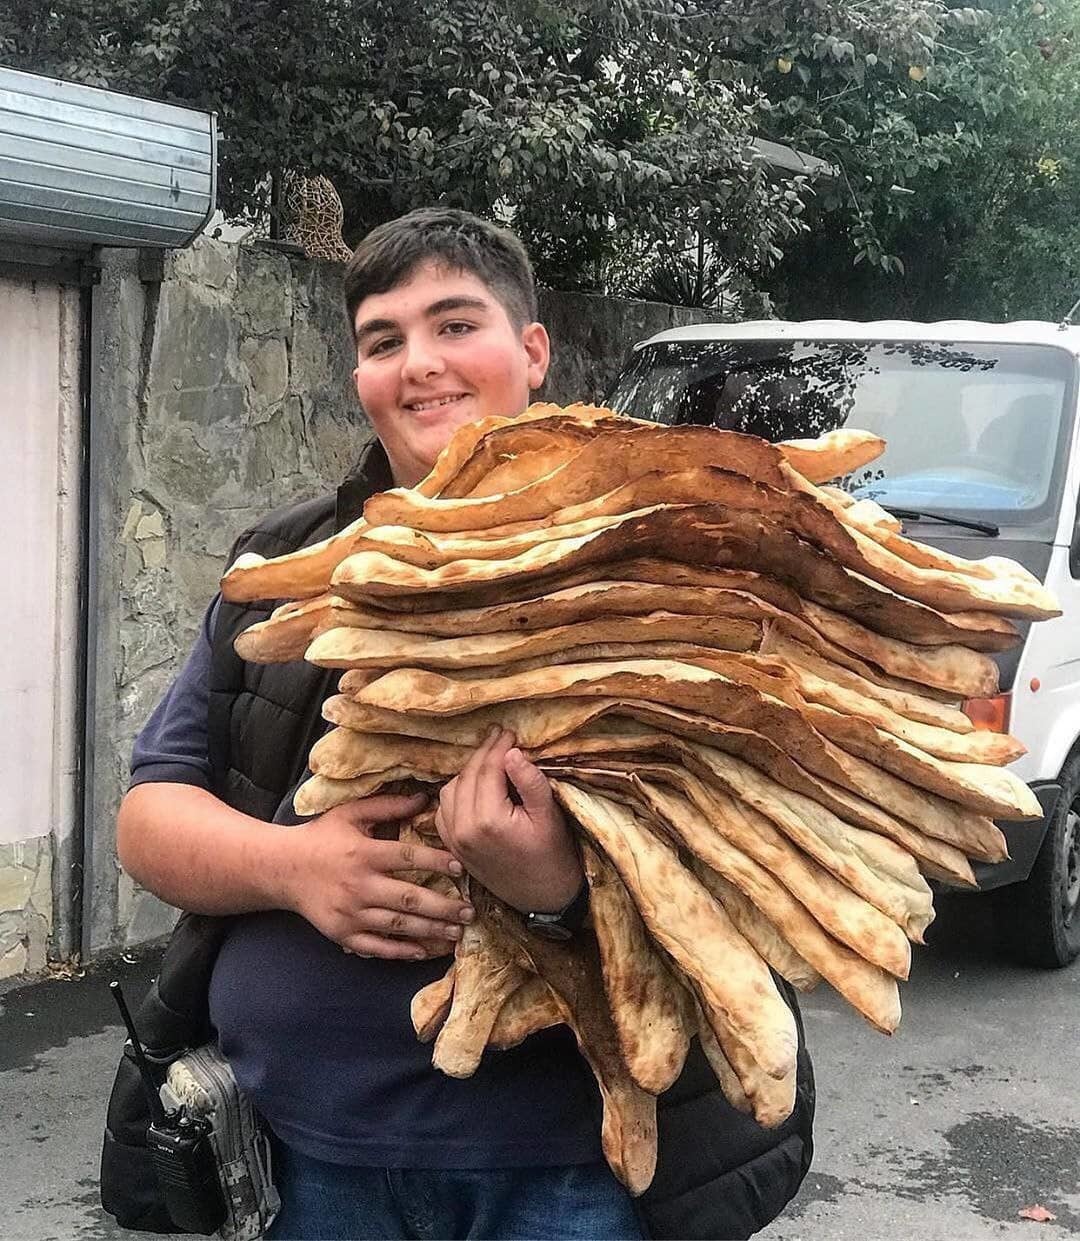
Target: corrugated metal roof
{"x": 81, "y": 166}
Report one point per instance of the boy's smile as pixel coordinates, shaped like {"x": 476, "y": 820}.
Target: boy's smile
{"x": 435, "y": 353}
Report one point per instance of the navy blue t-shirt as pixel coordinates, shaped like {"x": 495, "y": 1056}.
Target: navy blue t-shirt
{"x": 322, "y": 1041}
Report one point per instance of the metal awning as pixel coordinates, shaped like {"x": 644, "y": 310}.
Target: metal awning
{"x": 81, "y": 166}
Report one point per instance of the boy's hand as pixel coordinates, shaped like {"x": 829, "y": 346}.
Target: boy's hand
{"x": 344, "y": 881}
{"x": 525, "y": 854}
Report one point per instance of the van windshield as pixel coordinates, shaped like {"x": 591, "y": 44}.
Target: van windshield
{"x": 969, "y": 427}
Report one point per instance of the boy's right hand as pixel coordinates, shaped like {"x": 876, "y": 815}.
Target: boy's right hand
{"x": 345, "y": 882}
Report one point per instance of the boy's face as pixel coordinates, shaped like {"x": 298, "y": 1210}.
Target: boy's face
{"x": 434, "y": 353}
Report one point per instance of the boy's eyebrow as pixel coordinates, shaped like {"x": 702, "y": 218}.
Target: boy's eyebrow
{"x": 374, "y": 325}
{"x": 441, "y": 307}
{"x": 461, "y": 302}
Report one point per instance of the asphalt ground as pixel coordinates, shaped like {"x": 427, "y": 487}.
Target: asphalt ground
{"x": 944, "y": 1132}
{"x": 967, "y": 1115}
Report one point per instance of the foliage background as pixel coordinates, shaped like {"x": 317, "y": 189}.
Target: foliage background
{"x": 616, "y": 135}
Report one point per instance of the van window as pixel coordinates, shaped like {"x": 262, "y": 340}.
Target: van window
{"x": 968, "y": 426}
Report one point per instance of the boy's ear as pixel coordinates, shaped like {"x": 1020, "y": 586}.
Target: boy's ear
{"x": 537, "y": 345}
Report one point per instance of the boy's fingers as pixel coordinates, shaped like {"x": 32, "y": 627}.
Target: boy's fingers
{"x": 396, "y": 925}
{"x": 530, "y": 782}
{"x": 465, "y": 794}
{"x": 393, "y": 855}
{"x": 384, "y": 808}
{"x": 367, "y": 944}
{"x": 399, "y": 896}
{"x": 493, "y": 802}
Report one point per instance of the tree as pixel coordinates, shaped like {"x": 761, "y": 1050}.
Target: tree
{"x": 575, "y": 120}
{"x": 609, "y": 132}
{"x": 984, "y": 227}
{"x": 843, "y": 81}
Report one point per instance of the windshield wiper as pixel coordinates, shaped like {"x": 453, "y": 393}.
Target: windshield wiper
{"x": 965, "y": 523}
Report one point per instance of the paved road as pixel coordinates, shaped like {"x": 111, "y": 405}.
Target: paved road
{"x": 969, "y": 1113}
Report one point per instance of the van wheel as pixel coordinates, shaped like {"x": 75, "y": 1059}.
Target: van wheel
{"x": 1042, "y": 914}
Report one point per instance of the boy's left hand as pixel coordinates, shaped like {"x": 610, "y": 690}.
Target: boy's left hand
{"x": 525, "y": 854}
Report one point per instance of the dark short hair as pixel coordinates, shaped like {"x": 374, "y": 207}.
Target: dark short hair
{"x": 454, "y": 239}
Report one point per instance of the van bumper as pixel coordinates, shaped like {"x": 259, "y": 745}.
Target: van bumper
{"x": 1024, "y": 841}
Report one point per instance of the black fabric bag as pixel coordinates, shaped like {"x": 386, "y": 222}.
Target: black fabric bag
{"x": 172, "y": 1019}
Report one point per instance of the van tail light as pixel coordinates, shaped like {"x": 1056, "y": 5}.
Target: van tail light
{"x": 989, "y": 715}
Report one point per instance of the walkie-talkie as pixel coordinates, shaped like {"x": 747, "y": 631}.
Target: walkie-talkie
{"x": 181, "y": 1149}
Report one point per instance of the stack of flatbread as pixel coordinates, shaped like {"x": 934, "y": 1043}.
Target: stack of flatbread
{"x": 745, "y": 688}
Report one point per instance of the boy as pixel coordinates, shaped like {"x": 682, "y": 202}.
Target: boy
{"x": 370, "y": 1140}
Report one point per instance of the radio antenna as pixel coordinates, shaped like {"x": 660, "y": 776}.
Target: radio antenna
{"x": 157, "y": 1110}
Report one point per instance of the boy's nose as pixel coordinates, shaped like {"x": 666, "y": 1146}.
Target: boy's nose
{"x": 421, "y": 360}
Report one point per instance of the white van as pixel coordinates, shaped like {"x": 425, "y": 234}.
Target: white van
{"x": 982, "y": 431}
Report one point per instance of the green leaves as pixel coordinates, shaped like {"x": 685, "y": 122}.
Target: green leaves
{"x": 614, "y": 134}
{"x": 966, "y": 183}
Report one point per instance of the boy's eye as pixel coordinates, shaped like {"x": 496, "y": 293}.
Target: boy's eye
{"x": 383, "y": 346}
{"x": 458, "y": 327}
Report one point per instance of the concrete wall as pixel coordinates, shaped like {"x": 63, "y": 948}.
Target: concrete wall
{"x": 39, "y": 513}
{"x": 220, "y": 389}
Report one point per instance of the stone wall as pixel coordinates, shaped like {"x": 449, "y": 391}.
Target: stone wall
{"x": 591, "y": 338}
{"x": 221, "y": 389}
{"x": 26, "y": 913}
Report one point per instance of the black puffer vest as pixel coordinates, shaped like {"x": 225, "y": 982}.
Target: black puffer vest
{"x": 264, "y": 718}
{"x": 719, "y": 1174}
